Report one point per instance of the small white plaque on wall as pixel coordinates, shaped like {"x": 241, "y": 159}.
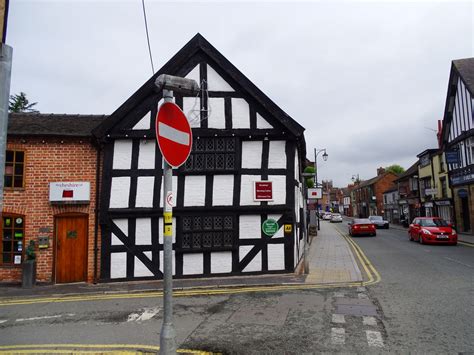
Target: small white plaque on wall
{"x": 69, "y": 192}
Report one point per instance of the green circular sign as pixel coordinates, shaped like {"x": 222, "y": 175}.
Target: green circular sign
{"x": 270, "y": 227}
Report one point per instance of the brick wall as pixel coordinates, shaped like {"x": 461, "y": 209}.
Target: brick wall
{"x": 50, "y": 160}
{"x": 382, "y": 185}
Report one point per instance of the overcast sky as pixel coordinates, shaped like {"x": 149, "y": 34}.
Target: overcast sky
{"x": 368, "y": 80}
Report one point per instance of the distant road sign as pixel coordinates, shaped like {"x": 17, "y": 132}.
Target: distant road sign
{"x": 173, "y": 134}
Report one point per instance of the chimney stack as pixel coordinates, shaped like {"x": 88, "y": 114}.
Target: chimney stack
{"x": 380, "y": 171}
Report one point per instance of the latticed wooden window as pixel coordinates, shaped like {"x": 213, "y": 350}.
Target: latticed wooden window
{"x": 14, "y": 169}
{"x": 13, "y": 240}
{"x": 207, "y": 232}
{"x": 212, "y": 154}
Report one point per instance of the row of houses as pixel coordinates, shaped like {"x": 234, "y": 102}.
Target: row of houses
{"x": 88, "y": 190}
{"x": 440, "y": 182}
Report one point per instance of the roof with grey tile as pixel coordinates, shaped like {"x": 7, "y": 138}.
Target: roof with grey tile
{"x": 412, "y": 170}
{"x": 41, "y": 124}
{"x": 465, "y": 68}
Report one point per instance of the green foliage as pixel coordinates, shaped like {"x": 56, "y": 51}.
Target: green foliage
{"x": 19, "y": 103}
{"x": 395, "y": 168}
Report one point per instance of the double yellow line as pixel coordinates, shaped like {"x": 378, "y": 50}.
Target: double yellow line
{"x": 89, "y": 349}
{"x": 371, "y": 272}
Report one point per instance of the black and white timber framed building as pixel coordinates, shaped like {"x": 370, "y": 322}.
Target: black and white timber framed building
{"x": 239, "y": 136}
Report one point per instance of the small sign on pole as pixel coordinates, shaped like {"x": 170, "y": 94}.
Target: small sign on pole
{"x": 315, "y": 193}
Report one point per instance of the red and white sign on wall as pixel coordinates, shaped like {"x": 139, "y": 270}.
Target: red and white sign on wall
{"x": 263, "y": 191}
{"x": 174, "y": 134}
{"x": 69, "y": 192}
{"x": 315, "y": 193}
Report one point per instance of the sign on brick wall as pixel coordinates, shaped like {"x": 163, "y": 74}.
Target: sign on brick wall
{"x": 69, "y": 192}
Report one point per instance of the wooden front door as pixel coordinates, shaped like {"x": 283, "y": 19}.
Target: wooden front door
{"x": 71, "y": 248}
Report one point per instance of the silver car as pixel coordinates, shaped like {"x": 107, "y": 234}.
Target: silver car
{"x": 379, "y": 222}
{"x": 336, "y": 217}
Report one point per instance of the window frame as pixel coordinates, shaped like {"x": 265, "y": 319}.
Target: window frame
{"x": 210, "y": 152}
{"x": 12, "y": 252}
{"x": 14, "y": 165}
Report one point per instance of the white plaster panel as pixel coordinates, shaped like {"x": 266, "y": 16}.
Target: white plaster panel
{"x": 140, "y": 268}
{"x": 240, "y": 113}
{"x": 122, "y": 224}
{"x": 255, "y": 264}
{"x": 216, "y": 118}
{"x": 297, "y": 210}
{"x": 297, "y": 166}
{"x": 191, "y": 108}
{"x": 144, "y": 122}
{"x": 215, "y": 82}
{"x": 247, "y": 189}
{"x": 160, "y": 231}
{"x": 221, "y": 262}
{"x": 122, "y": 154}
{"x": 280, "y": 233}
{"x": 276, "y": 257}
{"x": 252, "y": 154}
{"x": 174, "y": 189}
{"x": 145, "y": 191}
{"x": 279, "y": 189}
{"x": 143, "y": 231}
{"x": 250, "y": 226}
{"x": 277, "y": 155}
{"x": 194, "y": 190}
{"x": 193, "y": 264}
{"x": 119, "y": 192}
{"x": 195, "y": 75}
{"x": 262, "y": 123}
{"x": 162, "y": 262}
{"x": 222, "y": 190}
{"x": 118, "y": 265}
{"x": 146, "y": 155}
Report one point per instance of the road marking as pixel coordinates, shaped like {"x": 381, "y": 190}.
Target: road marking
{"x": 3, "y": 321}
{"x": 466, "y": 244}
{"x": 361, "y": 289}
{"x": 53, "y": 348}
{"x": 369, "y": 321}
{"x": 362, "y": 296}
{"x": 338, "y": 336}
{"x": 374, "y": 338}
{"x": 338, "y": 318}
{"x": 458, "y": 262}
{"x": 339, "y": 294}
{"x": 40, "y": 318}
{"x": 147, "y": 314}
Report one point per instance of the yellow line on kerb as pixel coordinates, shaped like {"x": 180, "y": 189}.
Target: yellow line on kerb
{"x": 81, "y": 348}
{"x": 466, "y": 244}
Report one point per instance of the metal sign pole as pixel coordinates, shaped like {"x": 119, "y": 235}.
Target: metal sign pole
{"x": 168, "y": 333}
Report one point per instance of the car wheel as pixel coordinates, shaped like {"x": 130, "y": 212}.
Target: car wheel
{"x": 411, "y": 237}
{"x": 420, "y": 239}
{"x": 387, "y": 227}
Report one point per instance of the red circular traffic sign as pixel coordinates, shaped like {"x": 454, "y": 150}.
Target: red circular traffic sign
{"x": 173, "y": 134}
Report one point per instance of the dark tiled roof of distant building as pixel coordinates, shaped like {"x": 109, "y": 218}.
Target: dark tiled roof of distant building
{"x": 465, "y": 67}
{"x": 41, "y": 124}
{"x": 410, "y": 171}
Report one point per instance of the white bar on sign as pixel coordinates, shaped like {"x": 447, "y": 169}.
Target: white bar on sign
{"x": 173, "y": 134}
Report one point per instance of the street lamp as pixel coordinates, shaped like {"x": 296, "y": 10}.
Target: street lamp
{"x": 325, "y": 158}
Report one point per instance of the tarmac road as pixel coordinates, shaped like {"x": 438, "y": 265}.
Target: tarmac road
{"x": 426, "y": 292}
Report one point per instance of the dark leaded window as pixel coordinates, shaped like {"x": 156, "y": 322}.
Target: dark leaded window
{"x": 207, "y": 232}
{"x": 212, "y": 154}
{"x": 14, "y": 168}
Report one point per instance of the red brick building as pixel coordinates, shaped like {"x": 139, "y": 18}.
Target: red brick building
{"x": 48, "y": 155}
{"x": 369, "y": 194}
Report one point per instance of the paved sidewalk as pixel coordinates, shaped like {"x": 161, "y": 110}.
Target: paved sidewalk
{"x": 331, "y": 259}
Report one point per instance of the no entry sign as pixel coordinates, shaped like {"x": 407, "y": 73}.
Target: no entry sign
{"x": 173, "y": 134}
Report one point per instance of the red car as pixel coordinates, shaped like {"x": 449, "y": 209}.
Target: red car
{"x": 432, "y": 230}
{"x": 362, "y": 226}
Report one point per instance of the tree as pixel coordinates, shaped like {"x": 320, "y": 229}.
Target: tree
{"x": 19, "y": 103}
{"x": 395, "y": 168}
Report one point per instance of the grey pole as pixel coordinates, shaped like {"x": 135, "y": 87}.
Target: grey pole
{"x": 168, "y": 333}
{"x": 5, "y": 77}
{"x": 306, "y": 234}
{"x": 316, "y": 183}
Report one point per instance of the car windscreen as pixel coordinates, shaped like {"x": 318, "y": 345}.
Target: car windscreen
{"x": 362, "y": 221}
{"x": 375, "y": 218}
{"x": 433, "y": 223}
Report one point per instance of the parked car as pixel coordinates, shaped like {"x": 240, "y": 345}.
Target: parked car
{"x": 361, "y": 226}
{"x": 379, "y": 222}
{"x": 327, "y": 216}
{"x": 336, "y": 217}
{"x": 432, "y": 230}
